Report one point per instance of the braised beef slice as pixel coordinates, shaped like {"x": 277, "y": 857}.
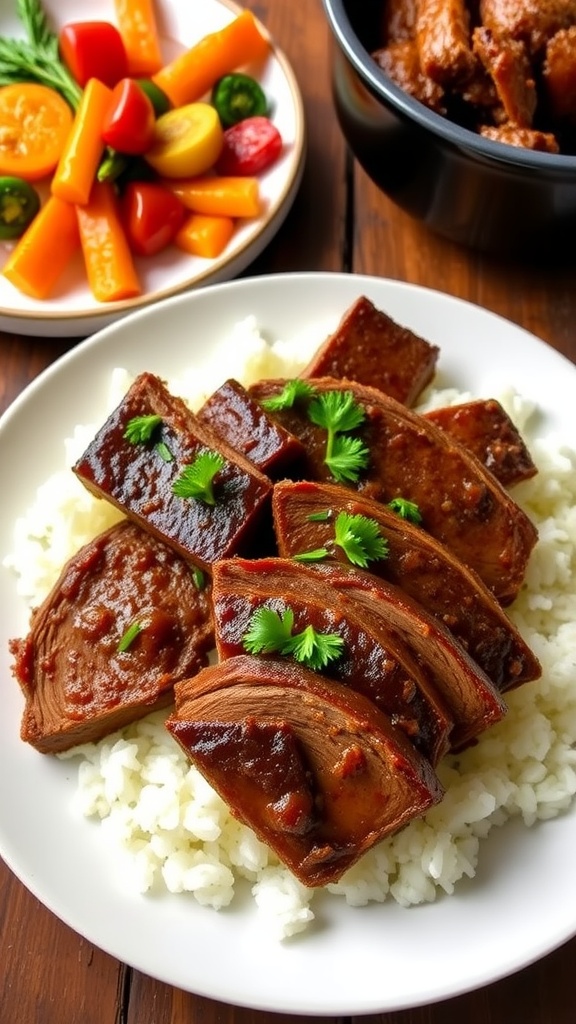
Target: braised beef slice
{"x": 77, "y": 684}
{"x": 371, "y": 348}
{"x": 138, "y": 478}
{"x": 485, "y": 428}
{"x": 462, "y": 504}
{"x": 377, "y": 661}
{"x": 313, "y": 768}
{"x": 243, "y": 423}
{"x": 471, "y": 698}
{"x": 420, "y": 565}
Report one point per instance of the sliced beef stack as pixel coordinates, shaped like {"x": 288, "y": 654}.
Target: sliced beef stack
{"x": 321, "y": 764}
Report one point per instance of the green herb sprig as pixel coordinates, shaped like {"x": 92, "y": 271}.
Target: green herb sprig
{"x": 197, "y": 478}
{"x": 358, "y": 536}
{"x": 292, "y": 392}
{"x": 141, "y": 430}
{"x": 128, "y": 638}
{"x": 271, "y": 633}
{"x": 338, "y": 413}
{"x": 36, "y": 58}
{"x": 406, "y": 510}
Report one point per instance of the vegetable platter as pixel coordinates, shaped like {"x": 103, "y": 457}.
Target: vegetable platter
{"x": 138, "y": 124}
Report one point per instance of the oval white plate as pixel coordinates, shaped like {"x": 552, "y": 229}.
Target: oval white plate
{"x": 72, "y": 311}
{"x": 521, "y": 904}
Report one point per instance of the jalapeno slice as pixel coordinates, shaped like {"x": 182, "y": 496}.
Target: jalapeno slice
{"x": 156, "y": 95}
{"x": 19, "y": 204}
{"x": 237, "y": 96}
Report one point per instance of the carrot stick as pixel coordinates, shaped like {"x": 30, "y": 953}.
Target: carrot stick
{"x": 44, "y": 250}
{"x": 194, "y": 72}
{"x": 219, "y": 196}
{"x": 205, "y": 236}
{"x": 83, "y": 150}
{"x": 137, "y": 25}
{"x": 109, "y": 264}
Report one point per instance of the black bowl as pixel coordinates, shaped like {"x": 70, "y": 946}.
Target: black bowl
{"x": 493, "y": 197}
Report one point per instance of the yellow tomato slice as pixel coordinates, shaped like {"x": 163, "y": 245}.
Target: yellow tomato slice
{"x": 34, "y": 124}
{"x": 187, "y": 141}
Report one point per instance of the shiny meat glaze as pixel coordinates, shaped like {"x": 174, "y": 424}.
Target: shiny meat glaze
{"x": 311, "y": 766}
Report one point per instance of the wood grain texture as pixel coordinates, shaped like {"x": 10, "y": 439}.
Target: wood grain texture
{"x": 339, "y": 221}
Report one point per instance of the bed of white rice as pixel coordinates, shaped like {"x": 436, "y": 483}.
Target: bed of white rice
{"x": 169, "y": 829}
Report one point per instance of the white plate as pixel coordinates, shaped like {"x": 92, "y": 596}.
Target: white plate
{"x": 521, "y": 904}
{"x": 72, "y": 311}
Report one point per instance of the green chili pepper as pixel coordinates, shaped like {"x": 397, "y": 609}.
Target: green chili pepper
{"x": 238, "y": 96}
{"x": 19, "y": 204}
{"x": 156, "y": 95}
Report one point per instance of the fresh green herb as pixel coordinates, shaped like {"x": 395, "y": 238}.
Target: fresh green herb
{"x": 317, "y": 555}
{"x": 406, "y": 510}
{"x": 197, "y": 479}
{"x": 358, "y": 536}
{"x": 320, "y": 517}
{"x": 36, "y": 58}
{"x": 199, "y": 578}
{"x": 346, "y": 457}
{"x": 293, "y": 391}
{"x": 139, "y": 429}
{"x": 129, "y": 637}
{"x": 360, "y": 539}
{"x": 338, "y": 412}
{"x": 271, "y": 633}
{"x": 164, "y": 451}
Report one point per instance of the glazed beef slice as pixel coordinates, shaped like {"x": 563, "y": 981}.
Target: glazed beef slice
{"x": 124, "y": 621}
{"x": 139, "y": 478}
{"x": 312, "y": 767}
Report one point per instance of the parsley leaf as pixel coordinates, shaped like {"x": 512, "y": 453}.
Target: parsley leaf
{"x": 129, "y": 637}
{"x": 139, "y": 429}
{"x": 197, "y": 478}
{"x": 271, "y": 633}
{"x": 406, "y": 510}
{"x": 360, "y": 539}
{"x": 346, "y": 457}
{"x": 292, "y": 391}
{"x": 338, "y": 412}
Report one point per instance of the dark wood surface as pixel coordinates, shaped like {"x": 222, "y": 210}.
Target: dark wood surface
{"x": 48, "y": 974}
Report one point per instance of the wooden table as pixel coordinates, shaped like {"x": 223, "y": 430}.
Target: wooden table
{"x": 339, "y": 222}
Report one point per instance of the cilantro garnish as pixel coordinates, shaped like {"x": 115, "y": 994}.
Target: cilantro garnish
{"x": 271, "y": 633}
{"x": 197, "y": 478}
{"x": 293, "y": 391}
{"x": 406, "y": 510}
{"x": 338, "y": 413}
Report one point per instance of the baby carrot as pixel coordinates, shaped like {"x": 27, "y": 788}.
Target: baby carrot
{"x": 137, "y": 25}
{"x": 109, "y": 264}
{"x": 44, "y": 250}
{"x": 205, "y": 236}
{"x": 219, "y": 196}
{"x": 83, "y": 150}
{"x": 194, "y": 72}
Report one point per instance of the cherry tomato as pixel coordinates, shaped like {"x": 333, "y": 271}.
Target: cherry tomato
{"x": 151, "y": 215}
{"x": 93, "y": 49}
{"x": 249, "y": 147}
{"x": 130, "y": 121}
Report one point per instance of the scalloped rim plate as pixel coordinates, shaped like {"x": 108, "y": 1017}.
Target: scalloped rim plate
{"x": 522, "y": 902}
{"x": 72, "y": 311}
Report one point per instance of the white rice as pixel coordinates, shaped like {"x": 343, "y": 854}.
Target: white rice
{"x": 169, "y": 829}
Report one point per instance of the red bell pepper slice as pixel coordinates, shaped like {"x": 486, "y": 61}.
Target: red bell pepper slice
{"x": 151, "y": 216}
{"x": 249, "y": 147}
{"x": 129, "y": 122}
{"x": 93, "y": 49}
